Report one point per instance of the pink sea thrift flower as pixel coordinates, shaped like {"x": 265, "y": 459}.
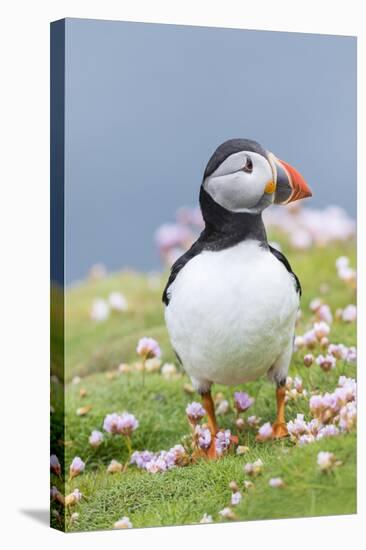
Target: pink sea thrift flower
{"x": 195, "y": 412}
{"x": 76, "y": 467}
{"x": 203, "y": 437}
{"x": 141, "y": 458}
{"x": 276, "y": 482}
{"x": 100, "y": 310}
{"x": 342, "y": 262}
{"x": 298, "y": 384}
{"x": 325, "y": 461}
{"x": 222, "y": 441}
{"x": 351, "y": 355}
{"x": 253, "y": 468}
{"x": 305, "y": 439}
{"x": 148, "y": 348}
{"x": 242, "y": 401}
{"x": 114, "y": 467}
{"x": 326, "y": 363}
{"x": 73, "y": 498}
{"x": 227, "y": 513}
{"x": 123, "y": 424}
{"x": 339, "y": 351}
{"x": 298, "y": 426}
{"x": 265, "y": 432}
{"x": 236, "y": 498}
{"x": 253, "y": 421}
{"x": 55, "y": 465}
{"x": 324, "y": 313}
{"x": 95, "y": 438}
{"x": 321, "y": 329}
{"x": 330, "y": 430}
{"x": 315, "y": 304}
{"x": 123, "y": 523}
{"x": 348, "y": 417}
{"x": 308, "y": 359}
{"x": 310, "y": 339}
{"x": 117, "y": 301}
{"x": 206, "y": 518}
{"x": 349, "y": 313}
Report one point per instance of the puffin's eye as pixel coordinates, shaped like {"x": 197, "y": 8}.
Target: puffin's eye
{"x": 248, "y": 166}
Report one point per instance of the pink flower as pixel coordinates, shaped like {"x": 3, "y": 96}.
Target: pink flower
{"x": 100, "y": 310}
{"x": 242, "y": 401}
{"x": 342, "y": 262}
{"x": 315, "y": 304}
{"x": 330, "y": 430}
{"x": 206, "y": 518}
{"x": 308, "y": 359}
{"x": 305, "y": 439}
{"x": 321, "y": 329}
{"x": 253, "y": 468}
{"x": 298, "y": 384}
{"x": 170, "y": 236}
{"x": 265, "y": 432}
{"x": 123, "y": 523}
{"x": 77, "y": 466}
{"x": 316, "y": 403}
{"x": 324, "y": 314}
{"x": 222, "y": 441}
{"x": 203, "y": 437}
{"x": 74, "y": 497}
{"x": 148, "y": 348}
{"x": 117, "y": 301}
{"x": 298, "y": 426}
{"x": 195, "y": 412}
{"x": 351, "y": 355}
{"x": 253, "y": 421}
{"x": 349, "y": 313}
{"x": 348, "y": 417}
{"x": 339, "y": 351}
{"x": 310, "y": 339}
{"x": 326, "y": 363}
{"x": 96, "y": 438}
{"x": 236, "y": 498}
{"x": 325, "y": 461}
{"x": 123, "y": 424}
{"x": 55, "y": 465}
{"x": 276, "y": 482}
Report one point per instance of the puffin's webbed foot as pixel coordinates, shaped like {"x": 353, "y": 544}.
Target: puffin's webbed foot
{"x": 279, "y": 430}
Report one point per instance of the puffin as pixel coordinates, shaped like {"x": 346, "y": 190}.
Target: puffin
{"x": 231, "y": 301}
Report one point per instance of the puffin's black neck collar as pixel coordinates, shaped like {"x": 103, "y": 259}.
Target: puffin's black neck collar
{"x": 225, "y": 228}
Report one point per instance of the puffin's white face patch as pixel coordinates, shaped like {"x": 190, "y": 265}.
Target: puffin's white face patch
{"x": 235, "y": 189}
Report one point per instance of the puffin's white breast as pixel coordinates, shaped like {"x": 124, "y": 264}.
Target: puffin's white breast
{"x": 231, "y": 313}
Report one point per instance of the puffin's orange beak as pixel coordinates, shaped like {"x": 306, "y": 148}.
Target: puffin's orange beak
{"x": 290, "y": 185}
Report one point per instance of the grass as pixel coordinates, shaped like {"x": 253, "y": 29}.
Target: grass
{"x": 183, "y": 495}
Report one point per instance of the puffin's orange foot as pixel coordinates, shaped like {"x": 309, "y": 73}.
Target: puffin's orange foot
{"x": 279, "y": 430}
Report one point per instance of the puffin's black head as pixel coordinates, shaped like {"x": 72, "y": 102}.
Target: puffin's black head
{"x": 241, "y": 176}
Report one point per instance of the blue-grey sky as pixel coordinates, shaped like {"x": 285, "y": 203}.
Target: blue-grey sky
{"x": 146, "y": 105}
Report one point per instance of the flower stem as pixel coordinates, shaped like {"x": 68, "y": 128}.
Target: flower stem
{"x": 129, "y": 449}
{"x": 143, "y": 371}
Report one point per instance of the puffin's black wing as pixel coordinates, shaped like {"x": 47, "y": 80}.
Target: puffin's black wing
{"x": 195, "y": 249}
{"x": 287, "y": 265}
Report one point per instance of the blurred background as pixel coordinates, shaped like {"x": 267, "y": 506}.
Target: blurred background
{"x": 147, "y": 104}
